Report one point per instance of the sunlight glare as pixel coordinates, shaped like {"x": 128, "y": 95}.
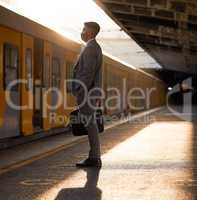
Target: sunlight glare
{"x": 63, "y": 16}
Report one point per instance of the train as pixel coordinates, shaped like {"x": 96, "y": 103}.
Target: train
{"x": 41, "y": 59}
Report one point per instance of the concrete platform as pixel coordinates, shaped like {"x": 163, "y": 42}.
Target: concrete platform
{"x": 150, "y": 158}
{"x": 28, "y": 152}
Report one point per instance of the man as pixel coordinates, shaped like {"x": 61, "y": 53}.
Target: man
{"x": 87, "y": 76}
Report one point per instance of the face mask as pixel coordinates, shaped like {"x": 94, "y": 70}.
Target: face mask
{"x": 83, "y": 37}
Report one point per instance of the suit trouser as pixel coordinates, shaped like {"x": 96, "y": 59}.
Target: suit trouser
{"x": 88, "y": 115}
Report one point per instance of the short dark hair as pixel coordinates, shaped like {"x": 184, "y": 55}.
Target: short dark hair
{"x": 94, "y": 26}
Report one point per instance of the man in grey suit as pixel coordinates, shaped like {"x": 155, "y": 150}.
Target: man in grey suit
{"x": 87, "y": 87}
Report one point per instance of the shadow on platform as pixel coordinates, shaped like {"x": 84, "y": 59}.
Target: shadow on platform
{"x": 89, "y": 192}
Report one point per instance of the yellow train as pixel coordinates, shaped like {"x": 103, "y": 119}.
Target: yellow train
{"x": 42, "y": 59}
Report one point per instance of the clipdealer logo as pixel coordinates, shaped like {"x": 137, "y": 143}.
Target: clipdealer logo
{"x": 185, "y": 111}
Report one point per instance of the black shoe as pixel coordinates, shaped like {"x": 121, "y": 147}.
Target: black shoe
{"x": 90, "y": 162}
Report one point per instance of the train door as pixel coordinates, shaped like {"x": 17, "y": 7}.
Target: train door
{"x": 136, "y": 91}
{"x": 122, "y": 89}
{"x": 143, "y": 92}
{"x": 108, "y": 85}
{"x": 116, "y": 81}
{"x": 38, "y": 74}
{"x": 125, "y": 85}
{"x": 69, "y": 99}
{"x": 63, "y": 121}
{"x": 27, "y": 87}
{"x": 131, "y": 87}
{"x": 105, "y": 83}
{"x": 47, "y": 85}
{"x": 55, "y": 72}
{"x": 9, "y": 73}
{"x": 149, "y": 84}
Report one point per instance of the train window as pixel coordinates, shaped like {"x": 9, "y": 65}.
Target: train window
{"x": 46, "y": 73}
{"x": 11, "y": 62}
{"x": 56, "y": 73}
{"x": 29, "y": 70}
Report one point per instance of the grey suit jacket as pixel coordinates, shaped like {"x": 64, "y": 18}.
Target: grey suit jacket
{"x": 88, "y": 69}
